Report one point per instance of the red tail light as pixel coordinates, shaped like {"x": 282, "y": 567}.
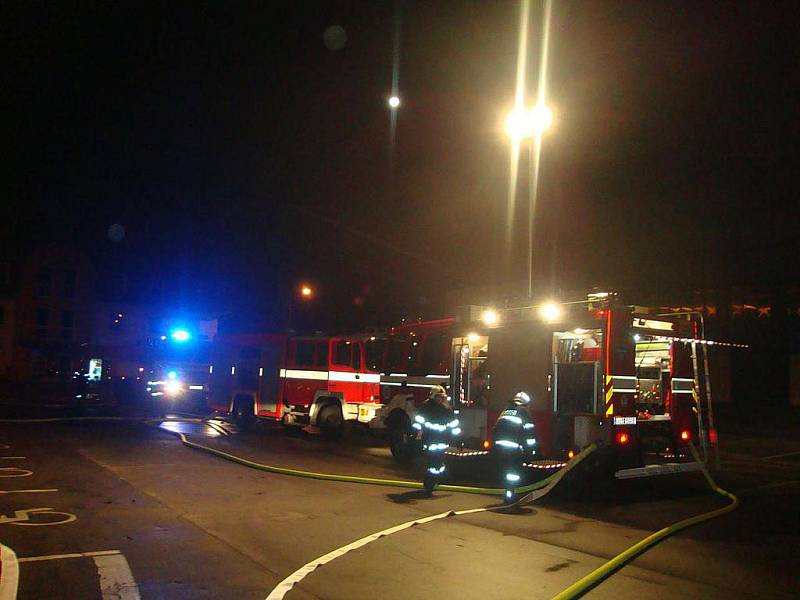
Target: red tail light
{"x": 712, "y": 436}
{"x": 686, "y": 435}
{"x": 623, "y": 438}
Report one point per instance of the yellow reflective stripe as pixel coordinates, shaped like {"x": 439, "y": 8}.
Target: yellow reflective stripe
{"x": 609, "y": 395}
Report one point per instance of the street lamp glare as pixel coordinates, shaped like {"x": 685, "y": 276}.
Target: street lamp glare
{"x": 394, "y": 101}
{"x": 550, "y": 311}
{"x": 490, "y": 317}
{"x": 541, "y": 117}
{"x": 518, "y": 124}
{"x": 306, "y": 291}
{"x": 522, "y": 123}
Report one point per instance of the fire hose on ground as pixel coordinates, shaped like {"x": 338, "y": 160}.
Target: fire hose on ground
{"x": 547, "y": 482}
{"x": 588, "y": 582}
{"x": 530, "y": 493}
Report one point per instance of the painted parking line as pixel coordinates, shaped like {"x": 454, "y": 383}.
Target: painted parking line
{"x": 28, "y": 491}
{"x": 116, "y": 578}
{"x": 28, "y": 559}
{"x": 7, "y": 472}
{"x": 9, "y": 582}
{"x": 24, "y": 517}
{"x": 113, "y": 570}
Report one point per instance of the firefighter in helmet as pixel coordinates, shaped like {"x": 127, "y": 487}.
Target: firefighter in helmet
{"x": 514, "y": 442}
{"x": 439, "y": 426}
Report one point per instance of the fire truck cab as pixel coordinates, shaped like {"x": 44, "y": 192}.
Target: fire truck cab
{"x": 598, "y": 371}
{"x": 301, "y": 381}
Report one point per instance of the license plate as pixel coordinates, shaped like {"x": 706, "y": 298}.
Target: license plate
{"x": 624, "y": 420}
{"x": 364, "y": 412}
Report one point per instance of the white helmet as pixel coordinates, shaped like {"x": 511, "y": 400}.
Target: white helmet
{"x": 522, "y": 399}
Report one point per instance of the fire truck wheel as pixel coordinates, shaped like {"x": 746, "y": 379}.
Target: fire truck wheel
{"x": 331, "y": 422}
{"x": 401, "y": 439}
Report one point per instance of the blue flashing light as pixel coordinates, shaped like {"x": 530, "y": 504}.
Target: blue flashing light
{"x": 180, "y": 335}
{"x": 172, "y": 375}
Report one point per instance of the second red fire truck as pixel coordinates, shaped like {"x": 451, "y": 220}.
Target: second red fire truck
{"x": 305, "y": 381}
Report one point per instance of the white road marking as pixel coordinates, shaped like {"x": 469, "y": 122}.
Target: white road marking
{"x": 19, "y": 472}
{"x": 116, "y": 578}
{"x": 28, "y": 491}
{"x": 288, "y": 583}
{"x": 9, "y": 581}
{"x": 21, "y": 516}
{"x": 71, "y": 555}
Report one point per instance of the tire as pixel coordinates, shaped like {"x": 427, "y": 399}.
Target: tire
{"x": 428, "y": 484}
{"x": 243, "y": 414}
{"x": 401, "y": 440}
{"x": 331, "y": 422}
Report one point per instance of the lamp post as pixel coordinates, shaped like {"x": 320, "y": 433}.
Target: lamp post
{"x": 529, "y": 125}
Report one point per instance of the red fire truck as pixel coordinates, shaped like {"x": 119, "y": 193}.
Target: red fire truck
{"x": 303, "y": 381}
{"x": 416, "y": 354}
{"x": 598, "y": 370}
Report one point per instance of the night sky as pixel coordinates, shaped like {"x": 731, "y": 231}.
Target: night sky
{"x": 243, "y": 155}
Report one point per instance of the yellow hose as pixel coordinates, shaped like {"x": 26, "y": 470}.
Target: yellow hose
{"x": 330, "y": 476}
{"x": 372, "y": 480}
{"x": 583, "y": 585}
{"x": 309, "y": 474}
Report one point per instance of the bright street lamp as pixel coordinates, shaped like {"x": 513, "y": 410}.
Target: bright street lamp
{"x": 394, "y": 101}
{"x": 306, "y": 292}
{"x": 542, "y": 117}
{"x": 529, "y": 124}
{"x": 550, "y": 311}
{"x": 490, "y": 317}
{"x": 524, "y": 124}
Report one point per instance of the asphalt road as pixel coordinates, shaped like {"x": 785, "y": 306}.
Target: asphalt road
{"x": 135, "y": 512}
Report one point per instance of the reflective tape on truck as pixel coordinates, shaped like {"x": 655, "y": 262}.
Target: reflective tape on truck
{"x": 682, "y": 385}
{"x": 619, "y": 384}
